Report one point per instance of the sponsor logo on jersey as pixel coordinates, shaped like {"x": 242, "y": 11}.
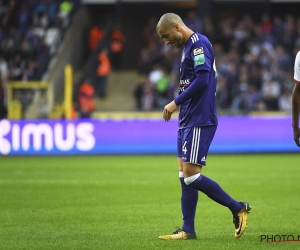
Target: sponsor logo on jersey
{"x": 199, "y": 59}
{"x": 198, "y": 51}
{"x": 185, "y": 82}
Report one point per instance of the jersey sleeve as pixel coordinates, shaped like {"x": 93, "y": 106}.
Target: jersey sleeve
{"x": 297, "y": 68}
{"x": 201, "y": 55}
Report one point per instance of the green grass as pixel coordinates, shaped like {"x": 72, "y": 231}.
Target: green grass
{"x": 126, "y": 202}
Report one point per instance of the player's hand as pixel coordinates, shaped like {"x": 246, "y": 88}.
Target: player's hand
{"x": 169, "y": 110}
{"x": 297, "y": 136}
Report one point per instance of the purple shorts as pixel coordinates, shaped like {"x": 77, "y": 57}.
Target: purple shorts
{"x": 193, "y": 144}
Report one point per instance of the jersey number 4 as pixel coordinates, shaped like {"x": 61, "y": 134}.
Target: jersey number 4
{"x": 184, "y": 150}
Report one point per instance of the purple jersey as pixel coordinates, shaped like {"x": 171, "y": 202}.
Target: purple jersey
{"x": 197, "y": 105}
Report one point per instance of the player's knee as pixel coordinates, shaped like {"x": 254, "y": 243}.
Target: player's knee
{"x": 191, "y": 179}
{"x": 190, "y": 169}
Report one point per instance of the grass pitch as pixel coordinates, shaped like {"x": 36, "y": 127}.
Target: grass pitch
{"x": 126, "y": 202}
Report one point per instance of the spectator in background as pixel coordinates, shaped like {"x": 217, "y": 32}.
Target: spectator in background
{"x": 16, "y": 64}
{"x": 26, "y": 50}
{"x": 161, "y": 90}
{"x": 65, "y": 9}
{"x": 103, "y": 71}
{"x": 209, "y": 29}
{"x": 139, "y": 91}
{"x": 285, "y": 101}
{"x": 238, "y": 101}
{"x": 193, "y": 21}
{"x": 45, "y": 12}
{"x": 32, "y": 37}
{"x": 282, "y": 59}
{"x": 43, "y": 56}
{"x": 25, "y": 76}
{"x": 145, "y": 63}
{"x": 251, "y": 100}
{"x": 278, "y": 27}
{"x": 86, "y": 101}
{"x": 33, "y": 70}
{"x": 117, "y": 43}
{"x": 51, "y": 10}
{"x": 23, "y": 19}
{"x": 270, "y": 94}
{"x": 266, "y": 25}
{"x": 288, "y": 84}
{"x": 288, "y": 37}
{"x": 95, "y": 36}
{"x": 254, "y": 77}
{"x": 148, "y": 98}
{"x": 3, "y": 69}
{"x": 222, "y": 95}
{"x": 156, "y": 73}
{"x": 149, "y": 32}
{"x": 40, "y": 17}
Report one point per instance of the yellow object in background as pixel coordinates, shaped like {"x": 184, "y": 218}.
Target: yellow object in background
{"x": 14, "y": 105}
{"x": 68, "y": 91}
{"x": 15, "y": 109}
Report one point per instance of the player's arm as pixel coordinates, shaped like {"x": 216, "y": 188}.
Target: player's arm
{"x": 296, "y": 112}
{"x": 196, "y": 86}
{"x": 200, "y": 83}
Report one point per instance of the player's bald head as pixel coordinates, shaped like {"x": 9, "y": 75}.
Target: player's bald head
{"x": 172, "y": 30}
{"x": 168, "y": 20}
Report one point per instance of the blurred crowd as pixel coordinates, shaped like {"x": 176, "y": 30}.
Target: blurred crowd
{"x": 254, "y": 58}
{"x": 30, "y": 32}
{"x": 254, "y": 61}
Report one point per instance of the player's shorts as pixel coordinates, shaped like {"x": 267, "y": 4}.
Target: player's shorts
{"x": 193, "y": 144}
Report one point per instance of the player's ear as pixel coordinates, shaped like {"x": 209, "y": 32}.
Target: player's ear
{"x": 176, "y": 26}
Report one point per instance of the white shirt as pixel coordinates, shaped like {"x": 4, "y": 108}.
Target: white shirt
{"x": 297, "y": 68}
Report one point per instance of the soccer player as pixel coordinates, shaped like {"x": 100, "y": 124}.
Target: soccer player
{"x": 296, "y": 101}
{"x": 197, "y": 125}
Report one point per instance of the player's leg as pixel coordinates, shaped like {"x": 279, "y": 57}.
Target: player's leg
{"x": 189, "y": 199}
{"x": 197, "y": 144}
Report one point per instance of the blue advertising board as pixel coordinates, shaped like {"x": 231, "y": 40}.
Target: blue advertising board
{"x": 140, "y": 136}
